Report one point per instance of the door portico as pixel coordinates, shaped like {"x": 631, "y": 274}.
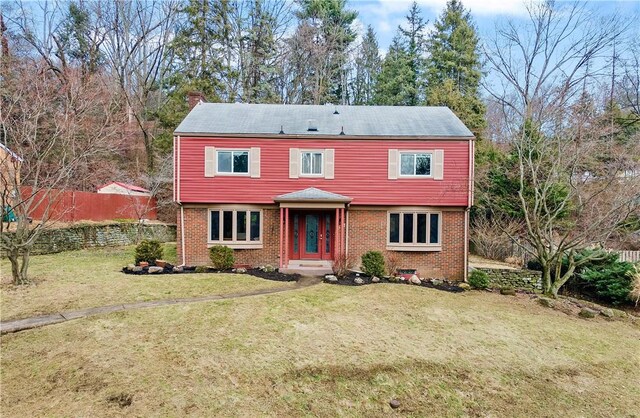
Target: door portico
{"x": 312, "y": 226}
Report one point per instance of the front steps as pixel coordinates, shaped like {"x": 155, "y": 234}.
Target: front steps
{"x": 309, "y": 267}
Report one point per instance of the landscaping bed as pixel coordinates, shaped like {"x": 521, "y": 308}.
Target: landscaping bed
{"x": 264, "y": 273}
{"x": 359, "y": 279}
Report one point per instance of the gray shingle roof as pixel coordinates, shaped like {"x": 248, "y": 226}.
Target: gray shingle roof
{"x": 312, "y": 194}
{"x": 368, "y": 121}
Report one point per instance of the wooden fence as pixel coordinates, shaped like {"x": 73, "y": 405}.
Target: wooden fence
{"x": 71, "y": 206}
{"x": 630, "y": 256}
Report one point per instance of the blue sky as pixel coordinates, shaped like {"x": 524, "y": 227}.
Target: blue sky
{"x": 386, "y": 15}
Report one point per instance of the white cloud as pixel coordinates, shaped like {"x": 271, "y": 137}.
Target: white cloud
{"x": 477, "y": 7}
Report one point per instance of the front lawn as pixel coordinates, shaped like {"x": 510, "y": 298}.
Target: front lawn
{"x": 87, "y": 278}
{"x": 328, "y": 351}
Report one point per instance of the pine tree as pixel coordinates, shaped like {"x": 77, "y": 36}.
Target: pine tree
{"x": 197, "y": 65}
{"x": 454, "y": 68}
{"x": 324, "y": 33}
{"x": 415, "y": 43}
{"x": 367, "y": 68}
{"x": 394, "y": 85}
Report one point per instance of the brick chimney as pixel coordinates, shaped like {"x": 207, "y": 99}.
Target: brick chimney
{"x": 195, "y": 97}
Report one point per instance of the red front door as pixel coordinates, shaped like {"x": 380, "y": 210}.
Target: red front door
{"x": 311, "y": 236}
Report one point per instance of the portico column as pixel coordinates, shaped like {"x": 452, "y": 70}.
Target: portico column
{"x": 286, "y": 236}
{"x": 281, "y": 235}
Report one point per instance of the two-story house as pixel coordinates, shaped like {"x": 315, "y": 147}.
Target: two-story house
{"x": 298, "y": 186}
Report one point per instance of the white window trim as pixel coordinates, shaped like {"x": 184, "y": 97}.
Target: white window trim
{"x": 413, "y": 246}
{"x": 313, "y": 151}
{"x": 224, "y": 173}
{"x": 415, "y": 176}
{"x": 234, "y": 243}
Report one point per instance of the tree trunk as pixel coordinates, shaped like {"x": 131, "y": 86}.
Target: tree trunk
{"x": 18, "y": 272}
{"x": 546, "y": 281}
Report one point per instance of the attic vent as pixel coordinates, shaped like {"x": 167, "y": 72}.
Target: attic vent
{"x": 312, "y": 125}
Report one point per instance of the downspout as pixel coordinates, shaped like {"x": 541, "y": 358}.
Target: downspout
{"x": 184, "y": 257}
{"x": 177, "y": 192}
{"x": 468, "y": 208}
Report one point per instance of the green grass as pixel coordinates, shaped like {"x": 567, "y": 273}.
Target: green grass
{"x": 328, "y": 351}
{"x": 87, "y": 278}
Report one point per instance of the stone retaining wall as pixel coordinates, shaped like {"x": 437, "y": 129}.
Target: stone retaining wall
{"x": 99, "y": 235}
{"x": 518, "y": 279}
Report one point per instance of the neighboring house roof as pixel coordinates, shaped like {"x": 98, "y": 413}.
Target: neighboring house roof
{"x": 126, "y": 186}
{"x": 11, "y": 153}
{"x": 365, "y": 121}
{"x": 312, "y": 194}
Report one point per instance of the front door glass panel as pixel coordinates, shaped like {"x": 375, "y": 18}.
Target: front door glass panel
{"x": 311, "y": 233}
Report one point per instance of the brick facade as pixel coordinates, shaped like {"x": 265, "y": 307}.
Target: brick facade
{"x": 367, "y": 230}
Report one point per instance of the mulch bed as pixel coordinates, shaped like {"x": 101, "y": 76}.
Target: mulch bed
{"x": 169, "y": 269}
{"x": 444, "y": 285}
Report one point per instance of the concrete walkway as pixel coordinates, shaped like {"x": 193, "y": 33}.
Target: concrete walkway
{"x": 16, "y": 325}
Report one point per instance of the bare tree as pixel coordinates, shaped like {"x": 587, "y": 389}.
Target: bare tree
{"x": 52, "y": 132}
{"x": 570, "y": 192}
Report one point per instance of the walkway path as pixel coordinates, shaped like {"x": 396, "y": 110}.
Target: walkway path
{"x": 16, "y": 325}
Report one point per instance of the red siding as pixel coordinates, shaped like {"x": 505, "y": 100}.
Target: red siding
{"x": 360, "y": 172}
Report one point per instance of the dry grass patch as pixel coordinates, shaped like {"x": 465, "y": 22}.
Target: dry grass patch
{"x": 328, "y": 351}
{"x": 87, "y": 278}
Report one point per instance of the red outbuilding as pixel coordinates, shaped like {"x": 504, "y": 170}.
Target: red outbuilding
{"x": 299, "y": 186}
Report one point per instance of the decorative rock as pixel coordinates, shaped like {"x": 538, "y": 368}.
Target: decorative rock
{"x": 464, "y": 286}
{"x": 331, "y": 278}
{"x": 358, "y": 280}
{"x": 241, "y": 270}
{"x": 161, "y": 263}
{"x": 130, "y": 267}
{"x": 437, "y": 282}
{"x": 143, "y": 264}
{"x": 268, "y": 268}
{"x": 549, "y": 303}
{"x": 608, "y": 313}
{"x": 509, "y": 291}
{"x": 588, "y": 313}
{"x": 375, "y": 279}
{"x": 618, "y": 313}
{"x": 155, "y": 270}
{"x": 394, "y": 279}
{"x": 178, "y": 269}
{"x": 136, "y": 269}
{"x": 394, "y": 403}
{"x": 415, "y": 279}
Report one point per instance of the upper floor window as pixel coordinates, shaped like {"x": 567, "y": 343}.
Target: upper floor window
{"x": 311, "y": 163}
{"x": 415, "y": 164}
{"x": 233, "y": 162}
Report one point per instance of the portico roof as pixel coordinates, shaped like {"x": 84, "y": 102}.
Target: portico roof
{"x": 312, "y": 194}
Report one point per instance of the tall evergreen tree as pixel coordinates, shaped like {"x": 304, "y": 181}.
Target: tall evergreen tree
{"x": 367, "y": 68}
{"x": 454, "y": 68}
{"x": 415, "y": 44}
{"x": 324, "y": 34}
{"x": 197, "y": 65}
{"x": 394, "y": 85}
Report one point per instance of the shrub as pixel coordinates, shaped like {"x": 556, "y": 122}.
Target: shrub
{"x": 478, "y": 279}
{"x": 341, "y": 264}
{"x": 613, "y": 283}
{"x": 635, "y": 291}
{"x": 149, "y": 251}
{"x": 373, "y": 263}
{"x": 201, "y": 269}
{"x": 392, "y": 262}
{"x": 221, "y": 257}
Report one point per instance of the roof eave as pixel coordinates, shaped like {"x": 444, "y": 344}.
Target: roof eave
{"x": 323, "y": 136}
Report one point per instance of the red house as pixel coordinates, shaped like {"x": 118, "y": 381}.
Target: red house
{"x": 299, "y": 186}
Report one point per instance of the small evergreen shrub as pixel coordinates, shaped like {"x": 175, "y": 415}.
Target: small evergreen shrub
{"x": 221, "y": 257}
{"x": 478, "y": 279}
{"x": 373, "y": 263}
{"x": 201, "y": 269}
{"x": 612, "y": 283}
{"x": 149, "y": 251}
